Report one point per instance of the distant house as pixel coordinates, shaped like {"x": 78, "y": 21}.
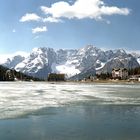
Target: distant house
{"x": 56, "y": 77}
{"x": 134, "y": 78}
{"x": 9, "y": 75}
{"x": 120, "y": 73}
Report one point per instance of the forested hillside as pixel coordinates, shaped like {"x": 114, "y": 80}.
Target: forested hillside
{"x": 12, "y": 75}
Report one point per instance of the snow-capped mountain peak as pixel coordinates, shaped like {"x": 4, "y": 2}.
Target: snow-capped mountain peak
{"x": 42, "y": 61}
{"x": 119, "y": 51}
{"x": 11, "y": 60}
{"x": 88, "y": 50}
{"x": 37, "y": 60}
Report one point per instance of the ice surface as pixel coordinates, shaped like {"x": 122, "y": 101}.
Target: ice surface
{"x": 19, "y": 98}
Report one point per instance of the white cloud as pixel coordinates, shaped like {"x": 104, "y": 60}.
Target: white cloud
{"x": 30, "y": 17}
{"x": 51, "y": 19}
{"x": 39, "y": 29}
{"x": 93, "y": 9}
{"x": 114, "y": 10}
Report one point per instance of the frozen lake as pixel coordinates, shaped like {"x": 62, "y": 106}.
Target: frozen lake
{"x": 73, "y": 111}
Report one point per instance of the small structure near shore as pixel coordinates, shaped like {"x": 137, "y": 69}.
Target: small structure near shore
{"x": 120, "y": 73}
{"x": 134, "y": 78}
{"x": 56, "y": 77}
{"x": 9, "y": 75}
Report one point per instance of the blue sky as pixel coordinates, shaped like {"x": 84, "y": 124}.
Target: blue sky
{"x": 108, "y": 24}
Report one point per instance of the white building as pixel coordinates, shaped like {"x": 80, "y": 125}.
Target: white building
{"x": 120, "y": 73}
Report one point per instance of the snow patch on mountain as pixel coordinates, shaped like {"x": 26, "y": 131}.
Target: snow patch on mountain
{"x": 138, "y": 59}
{"x": 69, "y": 70}
{"x": 101, "y": 66}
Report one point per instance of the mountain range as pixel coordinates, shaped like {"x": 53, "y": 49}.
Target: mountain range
{"x": 72, "y": 62}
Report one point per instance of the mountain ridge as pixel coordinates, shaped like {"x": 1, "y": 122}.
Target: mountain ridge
{"x": 42, "y": 61}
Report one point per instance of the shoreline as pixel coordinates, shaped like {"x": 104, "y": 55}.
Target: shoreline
{"x": 106, "y": 81}
{"x": 87, "y": 81}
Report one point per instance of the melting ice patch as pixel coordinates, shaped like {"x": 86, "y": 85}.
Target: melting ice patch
{"x": 21, "y": 98}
